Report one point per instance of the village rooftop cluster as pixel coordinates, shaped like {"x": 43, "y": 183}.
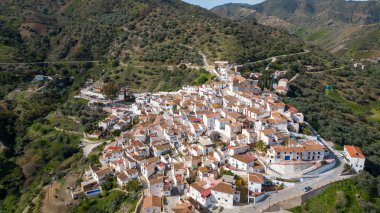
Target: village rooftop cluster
{"x": 218, "y": 144}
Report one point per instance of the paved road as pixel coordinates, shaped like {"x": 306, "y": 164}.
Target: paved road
{"x": 88, "y": 147}
{"x": 209, "y": 68}
{"x": 290, "y": 193}
{"x": 171, "y": 203}
{"x": 318, "y": 182}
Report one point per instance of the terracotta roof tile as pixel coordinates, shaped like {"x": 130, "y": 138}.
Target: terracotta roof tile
{"x": 354, "y": 151}
{"x": 257, "y": 178}
{"x": 224, "y": 188}
{"x": 152, "y": 202}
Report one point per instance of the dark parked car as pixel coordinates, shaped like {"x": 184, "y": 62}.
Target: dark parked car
{"x": 307, "y": 188}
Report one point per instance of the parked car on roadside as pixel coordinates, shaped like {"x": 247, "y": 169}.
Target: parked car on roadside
{"x": 307, "y": 188}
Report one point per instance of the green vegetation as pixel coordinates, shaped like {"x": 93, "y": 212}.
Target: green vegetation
{"x": 317, "y": 35}
{"x": 76, "y": 115}
{"x": 261, "y": 146}
{"x": 203, "y": 78}
{"x": 132, "y": 186}
{"x": 35, "y": 152}
{"x": 363, "y": 44}
{"x": 138, "y": 32}
{"x": 348, "y": 28}
{"x": 152, "y": 78}
{"x": 360, "y": 194}
{"x": 345, "y": 115}
{"x": 110, "y": 91}
{"x": 109, "y": 184}
{"x": 311, "y": 12}
{"x": 138, "y": 45}
{"x": 108, "y": 202}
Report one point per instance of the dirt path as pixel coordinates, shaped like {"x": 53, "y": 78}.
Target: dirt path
{"x": 274, "y": 58}
{"x": 57, "y": 195}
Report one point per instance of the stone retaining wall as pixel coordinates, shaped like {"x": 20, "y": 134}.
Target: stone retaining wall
{"x": 295, "y": 201}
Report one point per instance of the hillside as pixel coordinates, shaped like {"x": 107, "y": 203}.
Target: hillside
{"x": 335, "y": 25}
{"x": 309, "y": 11}
{"x": 145, "y": 31}
{"x": 360, "y": 194}
{"x": 133, "y": 42}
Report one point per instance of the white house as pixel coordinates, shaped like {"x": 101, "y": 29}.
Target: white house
{"x": 159, "y": 186}
{"x": 151, "y": 204}
{"x": 109, "y": 121}
{"x": 118, "y": 165}
{"x": 355, "y": 157}
{"x": 122, "y": 179}
{"x": 201, "y": 193}
{"x": 310, "y": 151}
{"x": 266, "y": 135}
{"x": 220, "y": 124}
{"x": 148, "y": 167}
{"x": 224, "y": 194}
{"x": 132, "y": 173}
{"x": 209, "y": 120}
{"x": 242, "y": 162}
{"x": 119, "y": 125}
{"x": 100, "y": 175}
{"x": 111, "y": 153}
{"x": 255, "y": 191}
{"x": 237, "y": 148}
{"x": 156, "y": 185}
{"x": 255, "y": 113}
{"x": 161, "y": 149}
{"x": 196, "y": 130}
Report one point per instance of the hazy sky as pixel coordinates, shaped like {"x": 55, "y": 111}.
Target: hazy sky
{"x": 212, "y": 3}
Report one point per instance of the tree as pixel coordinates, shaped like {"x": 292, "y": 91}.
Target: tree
{"x": 116, "y": 133}
{"x": 132, "y": 185}
{"x": 214, "y": 136}
{"x": 341, "y": 200}
{"x": 306, "y": 130}
{"x": 110, "y": 90}
{"x": 260, "y": 146}
{"x": 182, "y": 66}
{"x": 115, "y": 63}
{"x": 346, "y": 167}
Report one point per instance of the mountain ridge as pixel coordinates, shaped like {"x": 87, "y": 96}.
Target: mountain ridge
{"x": 133, "y": 31}
{"x": 299, "y": 11}
{"x": 336, "y": 25}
